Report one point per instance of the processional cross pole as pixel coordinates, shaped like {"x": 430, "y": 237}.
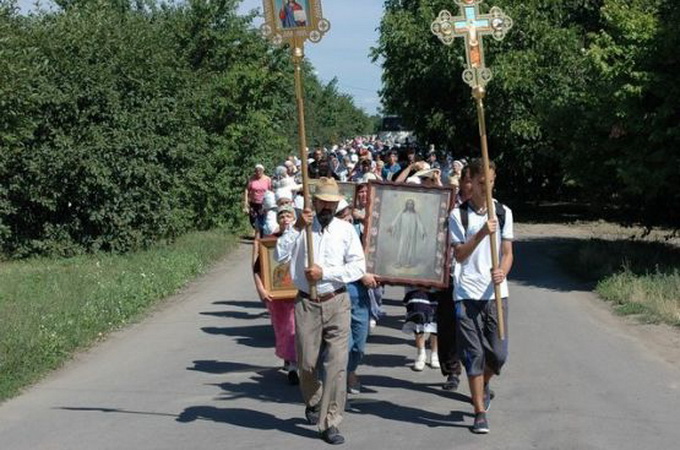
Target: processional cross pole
{"x": 289, "y": 22}
{"x": 472, "y": 26}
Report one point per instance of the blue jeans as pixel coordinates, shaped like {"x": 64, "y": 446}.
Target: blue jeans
{"x": 361, "y": 307}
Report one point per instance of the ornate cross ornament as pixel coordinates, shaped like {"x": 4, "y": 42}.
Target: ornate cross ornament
{"x": 294, "y": 22}
{"x": 473, "y": 26}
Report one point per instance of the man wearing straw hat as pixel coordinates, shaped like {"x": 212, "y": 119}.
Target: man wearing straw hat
{"x": 324, "y": 321}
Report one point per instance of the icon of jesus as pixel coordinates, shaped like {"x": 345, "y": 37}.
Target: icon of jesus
{"x": 407, "y": 230}
{"x": 292, "y": 14}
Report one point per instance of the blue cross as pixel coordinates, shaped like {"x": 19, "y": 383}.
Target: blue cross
{"x": 471, "y": 19}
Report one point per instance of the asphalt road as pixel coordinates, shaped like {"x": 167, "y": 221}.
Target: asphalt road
{"x": 201, "y": 374}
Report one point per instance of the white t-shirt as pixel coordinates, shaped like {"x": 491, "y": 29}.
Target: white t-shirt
{"x": 473, "y": 277}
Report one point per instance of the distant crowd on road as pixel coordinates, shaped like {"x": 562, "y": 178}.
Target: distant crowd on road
{"x": 321, "y": 337}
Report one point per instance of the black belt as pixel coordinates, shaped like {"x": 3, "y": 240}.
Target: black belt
{"x": 324, "y": 297}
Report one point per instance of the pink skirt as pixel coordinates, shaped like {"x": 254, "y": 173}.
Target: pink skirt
{"x": 282, "y": 313}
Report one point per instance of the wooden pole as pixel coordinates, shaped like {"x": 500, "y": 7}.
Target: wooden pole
{"x": 478, "y": 93}
{"x": 298, "y": 57}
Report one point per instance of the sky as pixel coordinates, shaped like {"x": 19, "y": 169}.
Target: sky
{"x": 343, "y": 52}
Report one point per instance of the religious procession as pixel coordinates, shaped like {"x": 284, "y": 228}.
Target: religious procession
{"x": 441, "y": 235}
{"x": 382, "y": 215}
{"x": 282, "y": 224}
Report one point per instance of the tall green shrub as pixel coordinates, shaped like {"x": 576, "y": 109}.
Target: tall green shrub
{"x": 128, "y": 122}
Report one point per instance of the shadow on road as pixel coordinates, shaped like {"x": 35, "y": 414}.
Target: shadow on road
{"x": 257, "y": 336}
{"x": 259, "y": 420}
{"x": 392, "y": 411}
{"x": 236, "y": 314}
{"x": 113, "y": 410}
{"x": 270, "y": 385}
{"x": 382, "y": 360}
{"x": 241, "y": 303}
{"x": 234, "y": 416}
{"x": 221, "y": 367}
{"x": 381, "y": 339}
{"x": 246, "y": 418}
{"x": 378, "y": 381}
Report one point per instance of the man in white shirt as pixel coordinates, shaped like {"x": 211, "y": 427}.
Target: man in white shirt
{"x": 482, "y": 351}
{"x": 338, "y": 260}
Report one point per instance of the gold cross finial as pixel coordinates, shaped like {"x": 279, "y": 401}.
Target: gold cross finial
{"x": 472, "y": 26}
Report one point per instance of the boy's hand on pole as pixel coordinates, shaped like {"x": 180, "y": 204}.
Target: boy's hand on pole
{"x": 490, "y": 227}
{"x": 498, "y": 275}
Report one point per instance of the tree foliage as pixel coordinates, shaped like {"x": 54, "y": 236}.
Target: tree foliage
{"x": 583, "y": 100}
{"x": 128, "y": 122}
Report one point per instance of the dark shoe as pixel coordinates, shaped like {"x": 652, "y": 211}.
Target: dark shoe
{"x": 481, "y": 425}
{"x": 293, "y": 378}
{"x": 451, "y": 384}
{"x": 489, "y": 394}
{"x": 332, "y": 436}
{"x": 312, "y": 414}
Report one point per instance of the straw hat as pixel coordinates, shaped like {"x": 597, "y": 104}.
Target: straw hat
{"x": 427, "y": 173}
{"x": 327, "y": 190}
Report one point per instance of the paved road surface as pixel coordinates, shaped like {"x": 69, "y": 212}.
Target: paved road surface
{"x": 201, "y": 374}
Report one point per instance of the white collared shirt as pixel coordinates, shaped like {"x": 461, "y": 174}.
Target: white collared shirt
{"x": 337, "y": 251}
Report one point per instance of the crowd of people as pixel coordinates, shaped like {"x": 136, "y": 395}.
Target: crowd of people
{"x": 321, "y": 336}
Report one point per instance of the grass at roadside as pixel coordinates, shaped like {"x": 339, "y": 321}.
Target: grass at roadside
{"x": 50, "y": 308}
{"x": 641, "y": 278}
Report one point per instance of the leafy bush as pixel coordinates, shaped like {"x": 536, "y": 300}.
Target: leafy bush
{"x": 126, "y": 124}
{"x": 584, "y": 102}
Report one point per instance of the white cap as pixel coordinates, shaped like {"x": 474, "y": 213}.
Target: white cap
{"x": 283, "y": 193}
{"x": 342, "y": 204}
{"x": 259, "y": 166}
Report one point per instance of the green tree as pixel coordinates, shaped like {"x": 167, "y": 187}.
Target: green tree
{"x": 582, "y": 101}
{"x": 128, "y": 122}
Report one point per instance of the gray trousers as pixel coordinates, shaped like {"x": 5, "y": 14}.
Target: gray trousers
{"x": 323, "y": 327}
{"x": 478, "y": 340}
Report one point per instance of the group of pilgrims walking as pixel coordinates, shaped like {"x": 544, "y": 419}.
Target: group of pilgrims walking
{"x": 322, "y": 340}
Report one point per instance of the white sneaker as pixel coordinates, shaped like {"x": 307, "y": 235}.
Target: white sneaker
{"x": 419, "y": 365}
{"x": 371, "y": 326}
{"x": 434, "y": 360}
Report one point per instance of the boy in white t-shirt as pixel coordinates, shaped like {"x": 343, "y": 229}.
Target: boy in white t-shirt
{"x": 482, "y": 352}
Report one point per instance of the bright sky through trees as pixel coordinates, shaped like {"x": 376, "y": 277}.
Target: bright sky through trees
{"x": 343, "y": 53}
